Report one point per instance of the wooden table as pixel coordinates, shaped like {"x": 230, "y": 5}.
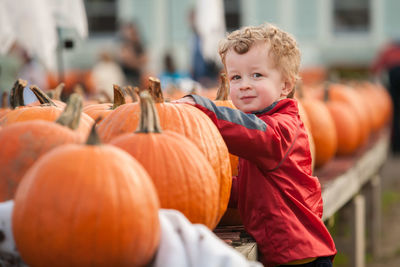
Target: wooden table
{"x": 342, "y": 181}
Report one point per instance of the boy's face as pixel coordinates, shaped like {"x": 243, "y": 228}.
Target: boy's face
{"x": 255, "y": 82}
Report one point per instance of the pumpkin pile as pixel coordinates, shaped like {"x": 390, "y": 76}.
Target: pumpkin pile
{"x": 91, "y": 185}
{"x": 89, "y": 177}
{"x": 343, "y": 116}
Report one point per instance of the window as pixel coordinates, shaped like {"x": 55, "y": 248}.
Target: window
{"x": 351, "y": 16}
{"x": 232, "y": 14}
{"x": 101, "y": 15}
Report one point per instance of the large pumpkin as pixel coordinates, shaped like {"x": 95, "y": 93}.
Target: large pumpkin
{"x": 23, "y": 143}
{"x": 184, "y": 119}
{"x": 86, "y": 205}
{"x": 378, "y": 102}
{"x": 322, "y": 129}
{"x": 183, "y": 177}
{"x": 348, "y": 124}
{"x": 347, "y": 94}
{"x": 347, "y": 127}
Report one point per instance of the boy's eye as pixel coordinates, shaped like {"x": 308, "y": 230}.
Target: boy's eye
{"x": 257, "y": 75}
{"x": 235, "y": 77}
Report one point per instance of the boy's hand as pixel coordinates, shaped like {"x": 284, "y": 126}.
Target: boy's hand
{"x": 186, "y": 99}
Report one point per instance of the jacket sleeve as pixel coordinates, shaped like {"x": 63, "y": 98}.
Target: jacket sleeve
{"x": 264, "y": 141}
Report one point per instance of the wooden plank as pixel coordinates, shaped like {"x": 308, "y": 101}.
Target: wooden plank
{"x": 358, "y": 231}
{"x": 376, "y": 216}
{"x": 337, "y": 192}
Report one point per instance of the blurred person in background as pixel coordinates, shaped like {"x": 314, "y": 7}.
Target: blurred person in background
{"x": 206, "y": 72}
{"x": 170, "y": 76}
{"x": 32, "y": 71}
{"x": 107, "y": 72}
{"x": 132, "y": 57}
{"x": 29, "y": 69}
{"x": 10, "y": 64}
{"x": 386, "y": 67}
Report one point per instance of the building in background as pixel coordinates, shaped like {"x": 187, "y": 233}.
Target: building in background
{"x": 330, "y": 32}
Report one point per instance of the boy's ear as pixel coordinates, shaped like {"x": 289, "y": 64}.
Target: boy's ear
{"x": 287, "y": 87}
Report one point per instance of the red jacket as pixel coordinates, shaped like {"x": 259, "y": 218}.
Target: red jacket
{"x": 278, "y": 199}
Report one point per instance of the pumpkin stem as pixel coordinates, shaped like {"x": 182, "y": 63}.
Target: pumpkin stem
{"x": 119, "y": 98}
{"x": 4, "y": 101}
{"x": 78, "y": 88}
{"x": 155, "y": 90}
{"x": 327, "y": 85}
{"x": 149, "y": 121}
{"x": 132, "y": 92}
{"x": 56, "y": 92}
{"x": 43, "y": 98}
{"x": 223, "y": 89}
{"x": 71, "y": 115}
{"x": 17, "y": 93}
{"x": 93, "y": 138}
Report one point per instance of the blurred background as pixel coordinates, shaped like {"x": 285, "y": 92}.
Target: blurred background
{"x": 76, "y": 41}
{"x": 89, "y": 45}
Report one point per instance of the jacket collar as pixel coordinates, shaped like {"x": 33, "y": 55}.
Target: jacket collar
{"x": 260, "y": 112}
{"x": 287, "y": 103}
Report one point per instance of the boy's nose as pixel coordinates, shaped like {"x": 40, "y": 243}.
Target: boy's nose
{"x": 245, "y": 84}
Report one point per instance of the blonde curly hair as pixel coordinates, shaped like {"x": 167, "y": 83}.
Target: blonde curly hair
{"x": 283, "y": 47}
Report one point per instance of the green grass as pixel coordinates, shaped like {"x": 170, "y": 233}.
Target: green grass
{"x": 389, "y": 198}
{"x": 397, "y": 252}
{"x": 341, "y": 260}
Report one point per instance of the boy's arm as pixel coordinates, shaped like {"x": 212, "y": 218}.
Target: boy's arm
{"x": 246, "y": 135}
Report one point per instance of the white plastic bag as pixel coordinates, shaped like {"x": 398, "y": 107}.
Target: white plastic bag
{"x": 185, "y": 244}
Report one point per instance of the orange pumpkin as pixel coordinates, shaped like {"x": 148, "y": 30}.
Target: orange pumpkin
{"x": 23, "y": 143}
{"x": 347, "y": 94}
{"x": 323, "y": 130}
{"x": 183, "y": 177}
{"x": 99, "y": 111}
{"x": 347, "y": 122}
{"x": 86, "y": 205}
{"x": 378, "y": 103}
{"x": 313, "y": 75}
{"x": 46, "y": 111}
{"x": 347, "y": 127}
{"x": 181, "y": 118}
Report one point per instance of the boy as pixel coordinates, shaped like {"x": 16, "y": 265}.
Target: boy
{"x": 278, "y": 199}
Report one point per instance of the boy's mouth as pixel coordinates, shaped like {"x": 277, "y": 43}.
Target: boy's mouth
{"x": 247, "y": 97}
